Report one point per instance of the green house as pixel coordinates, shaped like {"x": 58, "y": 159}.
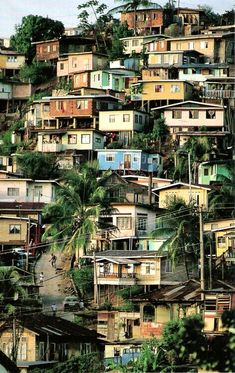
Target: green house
{"x": 213, "y": 171}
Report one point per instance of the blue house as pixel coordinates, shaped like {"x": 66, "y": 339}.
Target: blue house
{"x": 129, "y": 160}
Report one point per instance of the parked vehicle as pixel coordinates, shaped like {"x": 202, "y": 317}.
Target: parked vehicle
{"x": 71, "y": 303}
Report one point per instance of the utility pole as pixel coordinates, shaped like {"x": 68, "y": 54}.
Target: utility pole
{"x": 202, "y": 263}
{"x": 96, "y": 294}
{"x": 28, "y": 243}
{"x": 189, "y": 176}
{"x": 210, "y": 267}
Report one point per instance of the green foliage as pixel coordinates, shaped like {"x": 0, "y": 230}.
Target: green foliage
{"x": 129, "y": 292}
{"x": 34, "y": 28}
{"x": 7, "y": 148}
{"x": 107, "y": 305}
{"x": 209, "y": 17}
{"x": 115, "y": 145}
{"x": 120, "y": 30}
{"x": 36, "y": 73}
{"x": 81, "y": 364}
{"x": 64, "y": 84}
{"x": 84, "y": 280}
{"x": 38, "y": 165}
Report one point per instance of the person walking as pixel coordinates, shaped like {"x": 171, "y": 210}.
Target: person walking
{"x": 53, "y": 260}
{"x": 41, "y": 278}
{"x": 54, "y": 309}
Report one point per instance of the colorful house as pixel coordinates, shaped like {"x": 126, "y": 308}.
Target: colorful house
{"x": 127, "y": 160}
{"x": 213, "y": 171}
{"x": 48, "y": 338}
{"x": 188, "y": 192}
{"x": 122, "y": 124}
{"x": 145, "y": 21}
{"x": 114, "y": 79}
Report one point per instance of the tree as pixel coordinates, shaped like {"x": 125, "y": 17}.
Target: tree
{"x": 34, "y": 28}
{"x": 36, "y": 73}
{"x": 38, "y": 165}
{"x": 160, "y": 132}
{"x": 180, "y": 228}
{"x": 228, "y": 17}
{"x": 74, "y": 215}
{"x": 100, "y": 28}
{"x": 210, "y": 18}
{"x": 132, "y": 5}
{"x": 84, "y": 280}
{"x": 120, "y": 30}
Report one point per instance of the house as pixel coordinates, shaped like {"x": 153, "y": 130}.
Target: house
{"x": 146, "y": 21}
{"x": 116, "y": 269}
{"x": 68, "y": 112}
{"x": 114, "y": 79}
{"x": 199, "y": 72}
{"x": 145, "y": 180}
{"x": 137, "y": 44}
{"x": 49, "y": 338}
{"x": 174, "y": 57}
{"x": 217, "y": 89}
{"x": 188, "y": 192}
{"x": 15, "y": 231}
{"x": 213, "y": 172}
{"x": 15, "y": 189}
{"x": 217, "y": 48}
{"x": 161, "y": 91}
{"x": 187, "y": 118}
{"x": 126, "y": 160}
{"x": 211, "y": 225}
{"x": 82, "y": 140}
{"x": 73, "y": 63}
{"x": 224, "y": 241}
{"x": 6, "y": 165}
{"x": 122, "y": 124}
{"x": 10, "y": 62}
{"x": 51, "y": 50}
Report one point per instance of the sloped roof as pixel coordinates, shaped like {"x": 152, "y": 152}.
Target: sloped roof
{"x": 179, "y": 185}
{"x": 184, "y": 103}
{"x": 57, "y": 327}
{"x": 127, "y": 254}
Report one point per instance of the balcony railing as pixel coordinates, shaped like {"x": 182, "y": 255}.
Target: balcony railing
{"x": 219, "y": 93}
{"x": 117, "y": 275}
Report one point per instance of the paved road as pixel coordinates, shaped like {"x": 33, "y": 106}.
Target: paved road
{"x": 50, "y": 292}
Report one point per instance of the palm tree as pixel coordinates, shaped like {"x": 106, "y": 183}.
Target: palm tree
{"x": 181, "y": 231}
{"x": 11, "y": 292}
{"x": 222, "y": 197}
{"x": 132, "y": 5}
{"x": 74, "y": 214}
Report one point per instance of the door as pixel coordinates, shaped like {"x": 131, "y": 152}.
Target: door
{"x": 127, "y": 160}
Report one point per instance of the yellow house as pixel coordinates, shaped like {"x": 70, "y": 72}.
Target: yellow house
{"x": 147, "y": 90}
{"x": 218, "y": 224}
{"x": 224, "y": 240}
{"x": 189, "y": 193}
{"x": 13, "y": 230}
{"x": 47, "y": 338}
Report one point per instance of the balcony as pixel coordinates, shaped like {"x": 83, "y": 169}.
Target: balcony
{"x": 218, "y": 93}
{"x": 116, "y": 278}
{"x": 50, "y": 148}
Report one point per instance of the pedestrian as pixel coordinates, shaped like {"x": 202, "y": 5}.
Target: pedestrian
{"x": 54, "y": 309}
{"x": 53, "y": 260}
{"x": 41, "y": 278}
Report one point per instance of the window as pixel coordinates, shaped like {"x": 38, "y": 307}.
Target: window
{"x": 178, "y": 46}
{"x": 48, "y": 48}
{"x": 13, "y": 192}
{"x": 221, "y": 241}
{"x": 62, "y": 66}
{"x": 1, "y": 161}
{"x": 82, "y": 104}
{"x": 158, "y": 88}
{"x": 61, "y": 105}
{"x": 12, "y": 59}
{"x": 168, "y": 267}
{"x": 85, "y": 348}
{"x": 54, "y": 48}
{"x": 177, "y": 114}
{"x": 85, "y": 139}
{"x": 142, "y": 223}
{"x": 175, "y": 88}
{"x": 14, "y": 228}
{"x": 193, "y": 114}
{"x": 210, "y": 114}
{"x": 109, "y": 157}
{"x": 148, "y": 313}
{"x": 46, "y": 108}
{"x": 37, "y": 191}
{"x": 112, "y": 119}
{"x": 204, "y": 44}
{"x": 210, "y": 305}
{"x": 136, "y": 118}
{"x": 191, "y": 45}
{"x": 206, "y": 171}
{"x": 72, "y": 139}
{"x": 22, "y": 351}
{"x": 214, "y": 226}
{"x": 135, "y": 43}
{"x": 74, "y": 62}
{"x": 126, "y": 117}
{"x": 140, "y": 119}
{"x": 124, "y": 222}
{"x": 149, "y": 268}
{"x": 98, "y": 140}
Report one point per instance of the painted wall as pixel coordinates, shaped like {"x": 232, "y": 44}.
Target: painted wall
{"x": 122, "y": 120}
{"x": 197, "y": 194}
{"x": 216, "y": 119}
{"x": 166, "y": 90}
